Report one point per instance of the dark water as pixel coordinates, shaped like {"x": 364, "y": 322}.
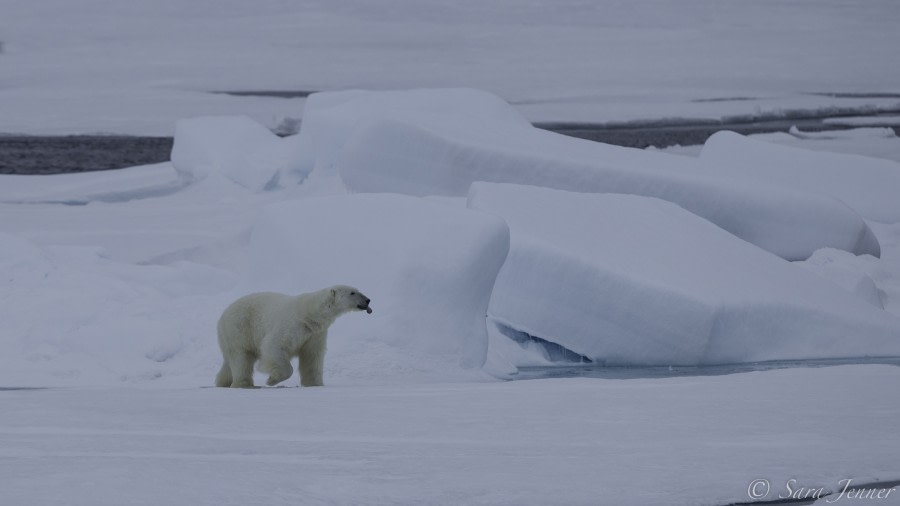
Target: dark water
{"x": 79, "y": 153}
{"x": 612, "y": 372}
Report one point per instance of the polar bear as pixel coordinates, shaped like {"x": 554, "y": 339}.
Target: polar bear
{"x": 273, "y": 328}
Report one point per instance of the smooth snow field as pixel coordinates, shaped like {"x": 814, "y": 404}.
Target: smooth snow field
{"x": 572, "y": 441}
{"x": 555, "y": 321}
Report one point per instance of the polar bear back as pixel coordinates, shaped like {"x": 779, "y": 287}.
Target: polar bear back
{"x": 255, "y": 315}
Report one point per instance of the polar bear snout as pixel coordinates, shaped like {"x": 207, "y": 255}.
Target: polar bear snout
{"x": 364, "y": 305}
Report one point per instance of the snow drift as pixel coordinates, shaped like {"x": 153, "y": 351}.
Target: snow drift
{"x": 330, "y": 118}
{"x": 236, "y": 147}
{"x": 71, "y": 316}
{"x": 848, "y": 271}
{"x": 429, "y": 269}
{"x": 121, "y": 185}
{"x": 632, "y": 280}
{"x": 423, "y": 153}
{"x": 868, "y": 185}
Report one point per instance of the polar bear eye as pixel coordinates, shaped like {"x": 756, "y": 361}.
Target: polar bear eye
{"x": 352, "y": 293}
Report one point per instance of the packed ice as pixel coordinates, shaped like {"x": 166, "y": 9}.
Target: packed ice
{"x": 429, "y": 154}
{"x": 233, "y": 147}
{"x": 868, "y": 185}
{"x": 630, "y": 280}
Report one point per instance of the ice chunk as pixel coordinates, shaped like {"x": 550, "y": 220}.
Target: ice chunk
{"x": 330, "y": 118}
{"x": 853, "y": 133}
{"x": 443, "y": 156}
{"x": 868, "y": 185}
{"x": 867, "y": 121}
{"x": 847, "y": 271}
{"x": 429, "y": 269}
{"x": 623, "y": 279}
{"x": 235, "y": 147}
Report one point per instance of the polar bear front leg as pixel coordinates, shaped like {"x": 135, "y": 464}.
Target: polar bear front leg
{"x": 279, "y": 370}
{"x": 312, "y": 361}
{"x": 274, "y": 360}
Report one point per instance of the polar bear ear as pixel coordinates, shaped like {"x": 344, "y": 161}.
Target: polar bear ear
{"x": 333, "y": 294}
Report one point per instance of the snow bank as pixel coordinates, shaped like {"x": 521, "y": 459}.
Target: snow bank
{"x": 630, "y": 280}
{"x": 433, "y": 154}
{"x": 866, "y": 121}
{"x": 235, "y": 147}
{"x": 853, "y": 133}
{"x": 848, "y": 271}
{"x": 428, "y": 267}
{"x": 71, "y": 316}
{"x": 330, "y": 118}
{"x": 119, "y": 185}
{"x": 868, "y": 185}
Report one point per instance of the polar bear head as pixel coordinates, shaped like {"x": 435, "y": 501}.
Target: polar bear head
{"x": 346, "y": 298}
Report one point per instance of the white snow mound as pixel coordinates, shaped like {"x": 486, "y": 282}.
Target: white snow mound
{"x": 73, "y": 317}
{"x": 848, "y": 271}
{"x": 632, "y": 280}
{"x": 428, "y": 267}
{"x": 330, "y": 118}
{"x": 868, "y": 185}
{"x": 438, "y": 154}
{"x": 236, "y": 147}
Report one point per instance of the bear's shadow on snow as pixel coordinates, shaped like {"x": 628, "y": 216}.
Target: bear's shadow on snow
{"x": 256, "y": 387}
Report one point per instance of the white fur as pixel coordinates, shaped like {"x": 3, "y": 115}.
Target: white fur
{"x": 273, "y": 328}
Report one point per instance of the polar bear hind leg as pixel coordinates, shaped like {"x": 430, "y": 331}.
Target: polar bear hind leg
{"x": 224, "y": 379}
{"x": 241, "y": 363}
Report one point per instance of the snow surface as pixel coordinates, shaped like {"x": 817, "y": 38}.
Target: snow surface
{"x": 846, "y": 270}
{"x": 872, "y": 142}
{"x": 863, "y": 121}
{"x": 113, "y": 186}
{"x": 677, "y": 441}
{"x": 72, "y": 316}
{"x": 125, "y": 214}
{"x": 868, "y": 185}
{"x": 843, "y": 134}
{"x": 628, "y": 280}
{"x": 441, "y": 155}
{"x": 100, "y": 66}
{"x": 429, "y": 269}
{"x": 329, "y": 119}
{"x": 235, "y": 147}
